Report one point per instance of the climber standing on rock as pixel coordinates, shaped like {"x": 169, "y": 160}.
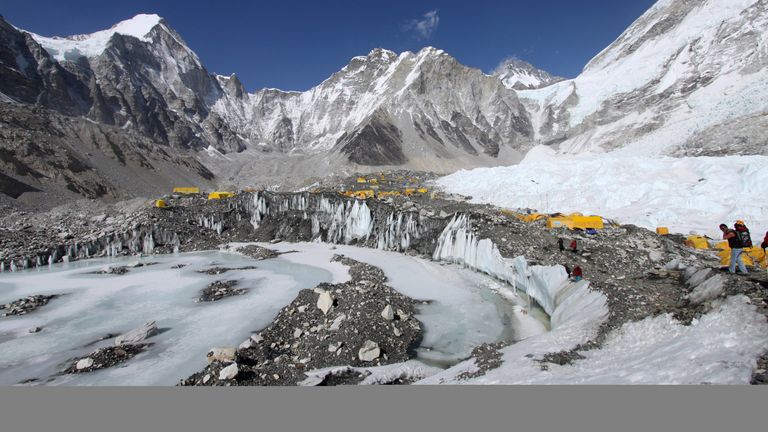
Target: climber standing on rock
{"x": 574, "y": 247}
{"x": 737, "y": 248}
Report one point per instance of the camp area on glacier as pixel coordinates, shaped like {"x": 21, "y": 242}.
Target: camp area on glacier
{"x": 408, "y": 220}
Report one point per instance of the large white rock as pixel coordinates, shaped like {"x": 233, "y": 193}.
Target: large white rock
{"x": 388, "y": 313}
{"x": 84, "y": 363}
{"x": 222, "y": 354}
{"x": 145, "y": 331}
{"x": 336, "y": 324}
{"x": 370, "y": 351}
{"x": 325, "y": 302}
{"x": 229, "y": 372}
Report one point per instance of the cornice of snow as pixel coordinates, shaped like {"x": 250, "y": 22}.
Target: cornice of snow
{"x": 93, "y": 44}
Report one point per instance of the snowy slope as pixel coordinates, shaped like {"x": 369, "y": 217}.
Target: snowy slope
{"x": 684, "y": 194}
{"x": 686, "y": 78}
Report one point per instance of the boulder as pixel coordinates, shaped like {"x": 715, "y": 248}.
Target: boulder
{"x": 228, "y": 372}
{"x": 325, "y": 302}
{"x": 139, "y": 334}
{"x": 370, "y": 351}
{"x": 388, "y": 314}
{"x": 221, "y": 354}
{"x": 84, "y": 363}
{"x": 336, "y": 324}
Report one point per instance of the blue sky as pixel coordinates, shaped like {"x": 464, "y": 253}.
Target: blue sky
{"x": 294, "y": 45}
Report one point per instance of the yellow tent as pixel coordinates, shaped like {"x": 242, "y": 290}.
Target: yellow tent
{"x": 662, "y": 230}
{"x": 575, "y": 221}
{"x": 220, "y": 195}
{"x": 750, "y": 256}
{"x": 363, "y": 194}
{"x": 697, "y": 242}
{"x": 531, "y": 217}
{"x": 160, "y": 204}
{"x": 186, "y": 190}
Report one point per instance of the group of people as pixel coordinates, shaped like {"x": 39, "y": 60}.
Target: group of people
{"x": 739, "y": 238}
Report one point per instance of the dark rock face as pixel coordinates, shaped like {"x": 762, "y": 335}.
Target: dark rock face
{"x": 63, "y": 157}
{"x": 14, "y": 188}
{"x": 29, "y": 75}
{"x": 377, "y": 143}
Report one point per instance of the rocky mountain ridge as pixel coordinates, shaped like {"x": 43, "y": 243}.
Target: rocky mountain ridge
{"x": 686, "y": 78}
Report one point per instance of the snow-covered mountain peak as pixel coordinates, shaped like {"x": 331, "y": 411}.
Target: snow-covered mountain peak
{"x": 93, "y": 44}
{"x": 521, "y": 75}
{"x": 382, "y": 55}
{"x": 430, "y": 51}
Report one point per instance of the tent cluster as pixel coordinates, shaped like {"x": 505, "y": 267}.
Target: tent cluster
{"x": 371, "y": 193}
{"x": 752, "y": 256}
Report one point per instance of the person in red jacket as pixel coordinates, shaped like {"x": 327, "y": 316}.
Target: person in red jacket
{"x": 764, "y": 244}
{"x": 574, "y": 247}
{"x": 576, "y": 273}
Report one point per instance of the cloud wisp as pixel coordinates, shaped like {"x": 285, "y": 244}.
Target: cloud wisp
{"x": 424, "y": 28}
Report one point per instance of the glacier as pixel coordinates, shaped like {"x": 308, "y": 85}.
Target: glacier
{"x": 685, "y": 194}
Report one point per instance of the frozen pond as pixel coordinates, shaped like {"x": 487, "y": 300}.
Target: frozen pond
{"x": 96, "y": 305}
{"x": 462, "y": 313}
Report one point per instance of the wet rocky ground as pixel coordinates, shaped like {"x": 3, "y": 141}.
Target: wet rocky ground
{"x": 219, "y": 270}
{"x": 257, "y": 252}
{"x": 25, "y": 305}
{"x": 121, "y": 270}
{"x": 363, "y": 322}
{"x": 629, "y": 265}
{"x": 106, "y": 357}
{"x": 219, "y": 290}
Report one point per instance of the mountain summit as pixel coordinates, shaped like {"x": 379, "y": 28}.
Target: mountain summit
{"x": 521, "y": 75}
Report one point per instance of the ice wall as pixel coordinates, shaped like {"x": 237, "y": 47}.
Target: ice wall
{"x": 459, "y": 244}
{"x": 398, "y": 232}
{"x": 141, "y": 239}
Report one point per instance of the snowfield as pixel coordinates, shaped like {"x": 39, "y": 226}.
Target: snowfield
{"x": 684, "y": 194}
{"x": 719, "y": 348}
